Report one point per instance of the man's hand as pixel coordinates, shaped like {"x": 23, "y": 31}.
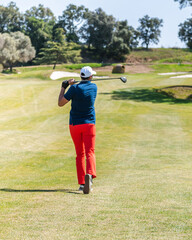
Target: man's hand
{"x": 71, "y": 81}
{"x": 65, "y": 84}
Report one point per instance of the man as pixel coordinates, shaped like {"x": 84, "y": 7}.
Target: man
{"x": 82, "y": 124}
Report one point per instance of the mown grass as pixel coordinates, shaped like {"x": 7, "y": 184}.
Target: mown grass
{"x": 143, "y": 149}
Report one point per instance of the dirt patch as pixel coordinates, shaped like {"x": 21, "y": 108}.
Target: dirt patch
{"x": 136, "y": 68}
{"x": 104, "y": 69}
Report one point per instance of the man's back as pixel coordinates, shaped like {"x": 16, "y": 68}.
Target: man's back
{"x": 83, "y": 97}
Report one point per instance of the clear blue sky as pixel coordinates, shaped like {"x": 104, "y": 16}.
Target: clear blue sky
{"x": 168, "y": 10}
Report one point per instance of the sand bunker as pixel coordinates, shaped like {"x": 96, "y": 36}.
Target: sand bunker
{"x": 183, "y": 76}
{"x": 60, "y": 74}
{"x": 171, "y": 73}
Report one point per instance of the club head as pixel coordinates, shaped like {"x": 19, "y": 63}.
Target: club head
{"x": 123, "y": 79}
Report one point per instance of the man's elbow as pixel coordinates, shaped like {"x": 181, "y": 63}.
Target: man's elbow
{"x": 60, "y": 104}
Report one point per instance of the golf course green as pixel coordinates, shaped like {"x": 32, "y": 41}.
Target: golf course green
{"x": 143, "y": 187}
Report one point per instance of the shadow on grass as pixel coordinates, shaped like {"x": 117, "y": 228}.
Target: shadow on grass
{"x": 39, "y": 190}
{"x": 146, "y": 95}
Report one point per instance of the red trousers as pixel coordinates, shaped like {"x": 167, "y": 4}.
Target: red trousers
{"x": 84, "y": 140}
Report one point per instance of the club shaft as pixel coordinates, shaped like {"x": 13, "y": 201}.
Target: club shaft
{"x": 98, "y": 79}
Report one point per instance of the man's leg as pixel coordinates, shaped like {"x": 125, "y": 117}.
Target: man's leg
{"x": 89, "y": 134}
{"x": 77, "y": 137}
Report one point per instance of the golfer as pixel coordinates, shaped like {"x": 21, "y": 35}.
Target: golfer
{"x": 82, "y": 124}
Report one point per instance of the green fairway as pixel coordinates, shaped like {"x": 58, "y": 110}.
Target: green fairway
{"x": 143, "y": 149}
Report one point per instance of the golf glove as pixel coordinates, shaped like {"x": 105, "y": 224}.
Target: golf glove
{"x": 65, "y": 84}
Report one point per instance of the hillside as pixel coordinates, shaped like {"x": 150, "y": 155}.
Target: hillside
{"x": 160, "y": 55}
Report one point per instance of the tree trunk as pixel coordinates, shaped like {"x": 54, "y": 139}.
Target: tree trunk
{"x": 54, "y": 66}
{"x": 11, "y": 68}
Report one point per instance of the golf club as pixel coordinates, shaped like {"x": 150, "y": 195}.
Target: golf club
{"x": 123, "y": 79}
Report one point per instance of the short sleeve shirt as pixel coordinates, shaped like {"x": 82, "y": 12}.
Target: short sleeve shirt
{"x": 83, "y": 97}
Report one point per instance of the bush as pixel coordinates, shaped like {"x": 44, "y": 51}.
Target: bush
{"x": 8, "y": 71}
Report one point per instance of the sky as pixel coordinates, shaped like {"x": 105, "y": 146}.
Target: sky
{"x": 130, "y": 10}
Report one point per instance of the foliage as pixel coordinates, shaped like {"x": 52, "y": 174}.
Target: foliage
{"x": 185, "y": 29}
{"x": 11, "y": 19}
{"x": 184, "y": 3}
{"x": 128, "y": 34}
{"x": 41, "y": 13}
{"x": 101, "y": 36}
{"x": 55, "y": 52}
{"x": 107, "y": 38}
{"x": 70, "y": 20}
{"x": 8, "y": 71}
{"x": 185, "y": 32}
{"x": 98, "y": 29}
{"x": 39, "y": 32}
{"x": 58, "y": 35}
{"x": 23, "y": 45}
{"x": 149, "y": 30}
{"x": 15, "y": 47}
{"x": 123, "y": 40}
{"x": 39, "y": 23}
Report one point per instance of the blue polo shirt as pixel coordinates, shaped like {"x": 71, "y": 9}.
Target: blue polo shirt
{"x": 83, "y": 97}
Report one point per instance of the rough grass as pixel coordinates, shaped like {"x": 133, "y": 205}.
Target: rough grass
{"x": 161, "y": 55}
{"x": 178, "y": 92}
{"x": 172, "y": 67}
{"x": 143, "y": 148}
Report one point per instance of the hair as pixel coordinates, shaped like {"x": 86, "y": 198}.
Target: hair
{"x": 84, "y": 78}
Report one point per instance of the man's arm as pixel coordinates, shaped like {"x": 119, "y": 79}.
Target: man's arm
{"x": 62, "y": 100}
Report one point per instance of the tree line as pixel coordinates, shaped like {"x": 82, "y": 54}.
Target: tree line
{"x": 75, "y": 35}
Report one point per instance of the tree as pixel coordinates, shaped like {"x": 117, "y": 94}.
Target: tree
{"x": 41, "y": 13}
{"x": 58, "y": 35}
{"x": 123, "y": 40}
{"x": 185, "y": 32}
{"x": 70, "y": 21}
{"x": 38, "y": 31}
{"x": 127, "y": 33}
{"x": 11, "y": 19}
{"x": 185, "y": 29}
{"x": 98, "y": 30}
{"x": 15, "y": 47}
{"x": 39, "y": 24}
{"x": 59, "y": 51}
{"x": 184, "y": 3}
{"x": 149, "y": 30}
